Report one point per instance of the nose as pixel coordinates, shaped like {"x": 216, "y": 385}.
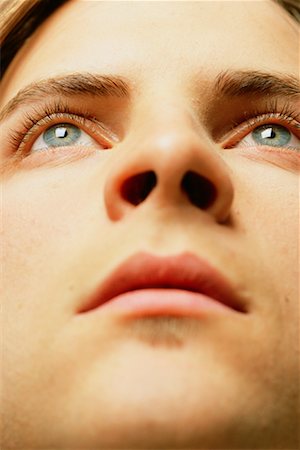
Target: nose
{"x": 168, "y": 164}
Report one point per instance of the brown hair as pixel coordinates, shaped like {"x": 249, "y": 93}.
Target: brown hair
{"x": 20, "y": 18}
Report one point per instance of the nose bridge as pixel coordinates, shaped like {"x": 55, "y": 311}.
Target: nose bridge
{"x": 164, "y": 111}
{"x": 167, "y": 134}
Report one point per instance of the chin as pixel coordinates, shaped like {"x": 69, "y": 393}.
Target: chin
{"x": 164, "y": 427}
{"x": 173, "y": 411}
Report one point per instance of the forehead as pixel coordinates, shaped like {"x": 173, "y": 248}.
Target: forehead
{"x": 146, "y": 39}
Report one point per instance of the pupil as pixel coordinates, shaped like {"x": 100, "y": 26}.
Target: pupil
{"x": 269, "y": 133}
{"x": 61, "y": 132}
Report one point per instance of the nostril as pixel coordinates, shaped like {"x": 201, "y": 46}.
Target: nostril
{"x": 137, "y": 188}
{"x": 200, "y": 191}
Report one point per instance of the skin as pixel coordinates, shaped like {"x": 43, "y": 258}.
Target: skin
{"x": 98, "y": 381}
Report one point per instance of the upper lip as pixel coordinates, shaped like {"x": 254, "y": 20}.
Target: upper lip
{"x": 184, "y": 271}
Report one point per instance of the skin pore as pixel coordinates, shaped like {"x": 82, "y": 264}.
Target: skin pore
{"x": 98, "y": 381}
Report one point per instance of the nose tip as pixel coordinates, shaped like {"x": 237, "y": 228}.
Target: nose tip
{"x": 173, "y": 165}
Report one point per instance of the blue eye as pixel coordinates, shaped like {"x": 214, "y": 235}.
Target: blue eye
{"x": 61, "y": 135}
{"x": 272, "y": 134}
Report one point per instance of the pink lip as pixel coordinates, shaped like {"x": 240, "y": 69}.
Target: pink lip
{"x": 148, "y": 285}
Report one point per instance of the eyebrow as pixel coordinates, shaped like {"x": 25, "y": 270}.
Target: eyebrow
{"x": 68, "y": 85}
{"x": 227, "y": 84}
{"x": 248, "y": 82}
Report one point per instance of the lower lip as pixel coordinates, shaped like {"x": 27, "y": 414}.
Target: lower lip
{"x": 158, "y": 302}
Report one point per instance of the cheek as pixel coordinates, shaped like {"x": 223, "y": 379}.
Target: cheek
{"x": 268, "y": 212}
{"x": 47, "y": 217}
{"x": 46, "y": 220}
{"x": 267, "y": 208}
{"x": 45, "y": 209}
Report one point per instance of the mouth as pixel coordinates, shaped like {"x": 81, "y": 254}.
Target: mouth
{"x": 149, "y": 285}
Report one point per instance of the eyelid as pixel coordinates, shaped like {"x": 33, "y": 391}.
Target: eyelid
{"x": 82, "y": 138}
{"x": 90, "y": 126}
{"x": 36, "y": 125}
{"x": 242, "y": 130}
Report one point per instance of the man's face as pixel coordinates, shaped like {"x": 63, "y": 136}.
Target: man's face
{"x": 171, "y": 168}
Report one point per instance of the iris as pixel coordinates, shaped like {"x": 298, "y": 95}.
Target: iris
{"x": 271, "y": 134}
{"x": 61, "y": 134}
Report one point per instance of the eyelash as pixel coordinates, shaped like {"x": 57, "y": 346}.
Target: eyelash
{"x": 59, "y": 112}
{"x": 40, "y": 119}
{"x": 271, "y": 112}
